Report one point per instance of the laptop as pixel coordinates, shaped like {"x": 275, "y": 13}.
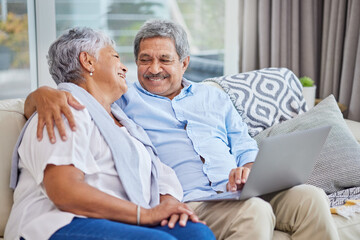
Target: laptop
{"x": 283, "y": 161}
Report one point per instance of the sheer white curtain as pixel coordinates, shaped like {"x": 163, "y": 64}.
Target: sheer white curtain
{"x": 314, "y": 38}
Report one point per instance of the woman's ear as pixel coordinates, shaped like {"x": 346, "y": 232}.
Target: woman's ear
{"x": 87, "y": 61}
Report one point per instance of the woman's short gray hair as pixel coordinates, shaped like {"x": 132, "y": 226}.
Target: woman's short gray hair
{"x": 63, "y": 55}
{"x": 163, "y": 28}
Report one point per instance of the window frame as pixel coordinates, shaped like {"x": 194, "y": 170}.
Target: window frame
{"x": 45, "y": 34}
{"x": 232, "y": 41}
{"x": 32, "y": 44}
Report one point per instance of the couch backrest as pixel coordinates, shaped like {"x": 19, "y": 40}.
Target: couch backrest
{"x": 12, "y": 121}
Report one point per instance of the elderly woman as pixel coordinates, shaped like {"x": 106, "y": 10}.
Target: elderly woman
{"x": 105, "y": 181}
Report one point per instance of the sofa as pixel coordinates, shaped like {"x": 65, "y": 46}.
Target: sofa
{"x": 12, "y": 120}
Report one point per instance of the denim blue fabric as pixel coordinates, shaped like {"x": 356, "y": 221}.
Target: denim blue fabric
{"x": 200, "y": 121}
{"x": 92, "y": 228}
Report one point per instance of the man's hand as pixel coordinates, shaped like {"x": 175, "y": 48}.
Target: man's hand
{"x": 50, "y": 105}
{"x": 238, "y": 177}
{"x": 170, "y": 211}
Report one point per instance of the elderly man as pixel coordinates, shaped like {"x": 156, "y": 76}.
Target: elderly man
{"x": 197, "y": 131}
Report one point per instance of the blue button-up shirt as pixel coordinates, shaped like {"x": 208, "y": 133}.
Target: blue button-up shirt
{"x": 201, "y": 121}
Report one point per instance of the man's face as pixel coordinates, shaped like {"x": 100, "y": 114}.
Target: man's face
{"x": 159, "y": 68}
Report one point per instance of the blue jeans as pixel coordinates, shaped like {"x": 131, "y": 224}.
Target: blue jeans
{"x": 92, "y": 228}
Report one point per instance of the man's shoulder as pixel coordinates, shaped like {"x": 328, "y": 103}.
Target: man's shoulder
{"x": 209, "y": 90}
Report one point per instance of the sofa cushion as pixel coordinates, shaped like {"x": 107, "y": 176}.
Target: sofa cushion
{"x": 338, "y": 164}
{"x": 11, "y": 122}
{"x": 264, "y": 97}
{"x": 348, "y": 229}
{"x": 354, "y": 127}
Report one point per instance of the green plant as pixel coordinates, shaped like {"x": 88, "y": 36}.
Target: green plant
{"x": 306, "y": 81}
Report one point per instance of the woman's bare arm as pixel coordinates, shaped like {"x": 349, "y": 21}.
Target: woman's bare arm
{"x": 65, "y": 186}
{"x": 50, "y": 104}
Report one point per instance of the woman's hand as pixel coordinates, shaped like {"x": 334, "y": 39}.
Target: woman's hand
{"x": 238, "y": 177}
{"x": 50, "y": 105}
{"x": 170, "y": 211}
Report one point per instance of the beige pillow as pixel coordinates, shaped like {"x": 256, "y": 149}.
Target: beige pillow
{"x": 338, "y": 165}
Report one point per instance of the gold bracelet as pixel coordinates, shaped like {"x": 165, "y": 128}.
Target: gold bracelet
{"x": 138, "y": 215}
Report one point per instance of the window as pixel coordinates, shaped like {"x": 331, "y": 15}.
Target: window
{"x": 14, "y": 49}
{"x": 121, "y": 19}
{"x": 26, "y": 34}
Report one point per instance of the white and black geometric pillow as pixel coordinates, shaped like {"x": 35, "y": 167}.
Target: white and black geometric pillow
{"x": 264, "y": 97}
{"x": 339, "y": 198}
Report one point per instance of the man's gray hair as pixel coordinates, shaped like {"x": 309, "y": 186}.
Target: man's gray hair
{"x": 163, "y": 28}
{"x": 63, "y": 55}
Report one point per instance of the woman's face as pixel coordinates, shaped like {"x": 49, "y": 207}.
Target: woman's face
{"x": 109, "y": 73}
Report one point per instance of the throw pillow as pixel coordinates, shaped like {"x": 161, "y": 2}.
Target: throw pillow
{"x": 264, "y": 97}
{"x": 338, "y": 165}
{"x": 339, "y": 198}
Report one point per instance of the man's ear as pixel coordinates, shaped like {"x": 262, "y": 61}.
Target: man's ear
{"x": 185, "y": 63}
{"x": 87, "y": 61}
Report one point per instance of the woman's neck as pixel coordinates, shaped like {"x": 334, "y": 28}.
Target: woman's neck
{"x": 103, "y": 97}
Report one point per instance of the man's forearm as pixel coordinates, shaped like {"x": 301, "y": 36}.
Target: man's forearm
{"x": 29, "y": 106}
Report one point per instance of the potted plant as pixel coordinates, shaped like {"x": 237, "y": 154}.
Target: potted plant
{"x": 309, "y": 91}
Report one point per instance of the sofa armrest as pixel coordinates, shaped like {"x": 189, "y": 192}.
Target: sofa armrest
{"x": 11, "y": 122}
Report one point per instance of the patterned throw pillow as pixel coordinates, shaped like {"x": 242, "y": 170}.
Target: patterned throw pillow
{"x": 339, "y": 198}
{"x": 264, "y": 97}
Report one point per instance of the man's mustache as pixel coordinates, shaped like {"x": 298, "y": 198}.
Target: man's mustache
{"x": 158, "y": 75}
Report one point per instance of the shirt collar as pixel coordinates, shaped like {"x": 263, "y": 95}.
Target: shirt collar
{"x": 187, "y": 90}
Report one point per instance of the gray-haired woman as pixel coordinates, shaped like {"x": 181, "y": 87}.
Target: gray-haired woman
{"x": 106, "y": 178}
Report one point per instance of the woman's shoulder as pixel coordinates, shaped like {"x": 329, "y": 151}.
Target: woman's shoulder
{"x": 80, "y": 115}
{"x": 82, "y": 120}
